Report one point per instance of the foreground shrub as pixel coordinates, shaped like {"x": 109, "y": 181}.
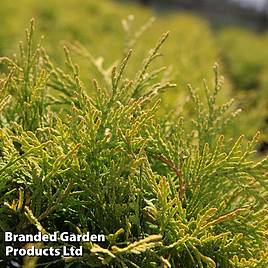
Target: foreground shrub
{"x": 165, "y": 191}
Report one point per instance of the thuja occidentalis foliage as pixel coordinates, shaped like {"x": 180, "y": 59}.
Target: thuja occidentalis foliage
{"x": 166, "y": 191}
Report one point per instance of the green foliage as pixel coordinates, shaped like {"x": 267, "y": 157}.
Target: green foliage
{"x": 195, "y": 48}
{"x": 245, "y": 56}
{"x": 98, "y": 157}
{"x": 97, "y": 25}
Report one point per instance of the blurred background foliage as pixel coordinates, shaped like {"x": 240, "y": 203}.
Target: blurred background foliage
{"x": 197, "y": 40}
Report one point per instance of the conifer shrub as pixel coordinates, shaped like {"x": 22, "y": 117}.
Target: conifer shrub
{"x": 166, "y": 191}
